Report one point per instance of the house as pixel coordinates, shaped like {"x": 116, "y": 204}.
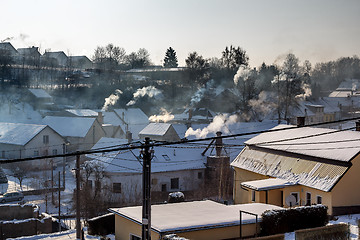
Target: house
{"x": 81, "y": 133}
{"x": 194, "y": 116}
{"x": 313, "y": 165}
{"x": 177, "y": 168}
{"x": 56, "y": 58}
{"x": 159, "y": 132}
{"x": 29, "y": 56}
{"x": 133, "y": 120}
{"x": 200, "y": 220}
{"x": 40, "y": 99}
{"x": 8, "y": 48}
{"x": 19, "y": 140}
{"x": 80, "y": 62}
{"x": 347, "y": 88}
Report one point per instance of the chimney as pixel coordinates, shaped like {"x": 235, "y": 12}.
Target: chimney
{"x": 100, "y": 118}
{"x": 300, "y": 121}
{"x": 218, "y": 144}
{"x": 129, "y": 136}
{"x": 357, "y": 126}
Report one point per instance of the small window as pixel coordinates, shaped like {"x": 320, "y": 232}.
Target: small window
{"x": 163, "y": 188}
{"x": 36, "y": 153}
{"x": 154, "y": 181}
{"x": 46, "y": 139}
{"x": 166, "y": 157}
{"x": 296, "y": 195}
{"x": 54, "y": 152}
{"x": 253, "y": 195}
{"x": 117, "y": 187}
{"x": 134, "y": 237}
{"x": 175, "y": 183}
{"x": 200, "y": 175}
{"x": 308, "y": 199}
{"x": 319, "y": 199}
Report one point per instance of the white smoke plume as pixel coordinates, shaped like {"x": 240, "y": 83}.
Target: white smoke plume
{"x": 164, "y": 117}
{"x": 243, "y": 72}
{"x": 199, "y": 94}
{"x": 307, "y": 91}
{"x": 220, "y": 123}
{"x": 112, "y": 99}
{"x": 150, "y": 91}
{"x": 263, "y": 106}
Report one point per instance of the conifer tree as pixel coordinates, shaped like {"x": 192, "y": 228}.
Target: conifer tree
{"x": 170, "y": 60}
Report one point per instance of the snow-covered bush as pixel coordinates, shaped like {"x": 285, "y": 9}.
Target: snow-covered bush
{"x": 291, "y": 219}
{"x": 176, "y": 197}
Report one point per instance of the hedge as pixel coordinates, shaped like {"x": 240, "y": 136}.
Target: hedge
{"x": 291, "y": 219}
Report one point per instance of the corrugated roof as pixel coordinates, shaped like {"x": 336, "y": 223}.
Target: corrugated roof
{"x": 316, "y": 142}
{"x": 70, "y": 126}
{"x": 318, "y": 175}
{"x": 83, "y": 112}
{"x": 18, "y": 133}
{"x": 158, "y": 129}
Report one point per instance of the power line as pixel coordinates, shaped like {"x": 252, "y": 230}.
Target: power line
{"x": 171, "y": 143}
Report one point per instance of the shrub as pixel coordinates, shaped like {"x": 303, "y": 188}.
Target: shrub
{"x": 291, "y": 219}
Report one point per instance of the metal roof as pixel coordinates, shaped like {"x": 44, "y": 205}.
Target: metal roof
{"x": 158, "y": 129}
{"x": 323, "y": 143}
{"x": 267, "y": 184}
{"x": 318, "y": 175}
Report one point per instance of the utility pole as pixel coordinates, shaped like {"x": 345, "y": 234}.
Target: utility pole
{"x": 77, "y": 174}
{"x": 146, "y": 207}
{"x": 52, "y": 181}
{"x": 64, "y": 160}
{"x": 59, "y": 205}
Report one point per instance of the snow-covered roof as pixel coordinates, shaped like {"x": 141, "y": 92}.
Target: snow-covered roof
{"x": 106, "y": 142}
{"x": 267, "y": 184}
{"x": 158, "y": 129}
{"x": 132, "y": 116}
{"x": 82, "y": 112}
{"x": 39, "y": 93}
{"x": 112, "y": 118}
{"x": 194, "y": 215}
{"x": 166, "y": 158}
{"x": 18, "y": 133}
{"x": 70, "y": 126}
{"x": 293, "y": 169}
{"x": 323, "y": 143}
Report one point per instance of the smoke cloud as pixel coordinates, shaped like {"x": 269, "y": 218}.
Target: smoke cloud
{"x": 263, "y": 106}
{"x": 220, "y": 123}
{"x": 242, "y": 73}
{"x": 112, "y": 99}
{"x": 199, "y": 94}
{"x": 164, "y": 117}
{"x": 149, "y": 91}
{"x": 307, "y": 91}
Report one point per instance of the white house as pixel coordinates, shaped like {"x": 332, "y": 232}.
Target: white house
{"x": 159, "y": 132}
{"x": 18, "y": 140}
{"x": 81, "y": 133}
{"x": 176, "y": 168}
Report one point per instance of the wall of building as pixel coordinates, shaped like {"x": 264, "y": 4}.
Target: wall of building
{"x": 125, "y": 227}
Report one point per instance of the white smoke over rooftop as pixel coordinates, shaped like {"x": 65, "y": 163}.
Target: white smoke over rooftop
{"x": 199, "y": 94}
{"x": 220, "y": 123}
{"x": 112, "y": 99}
{"x": 242, "y": 73}
{"x": 263, "y": 106}
{"x": 149, "y": 91}
{"x": 307, "y": 91}
{"x": 164, "y": 117}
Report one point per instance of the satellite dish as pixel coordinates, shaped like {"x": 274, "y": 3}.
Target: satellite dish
{"x": 290, "y": 201}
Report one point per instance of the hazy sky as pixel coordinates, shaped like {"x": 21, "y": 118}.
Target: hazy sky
{"x": 317, "y": 30}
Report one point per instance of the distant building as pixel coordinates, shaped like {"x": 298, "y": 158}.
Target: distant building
{"x": 19, "y": 140}
{"x": 40, "y": 99}
{"x": 54, "y": 59}
{"x": 8, "y": 47}
{"x": 159, "y": 132}
{"x": 80, "y": 62}
{"x": 307, "y": 165}
{"x": 29, "y": 56}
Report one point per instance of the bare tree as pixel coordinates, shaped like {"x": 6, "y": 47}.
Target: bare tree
{"x": 19, "y": 171}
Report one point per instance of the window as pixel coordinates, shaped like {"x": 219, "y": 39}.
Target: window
{"x": 134, "y": 237}
{"x": 163, "y": 188}
{"x": 46, "y": 139}
{"x": 166, "y": 157}
{"x": 200, "y": 175}
{"x": 36, "y": 153}
{"x": 319, "y": 199}
{"x": 117, "y": 187}
{"x": 3, "y": 154}
{"x": 54, "y": 152}
{"x": 154, "y": 181}
{"x": 253, "y": 195}
{"x": 296, "y": 195}
{"x": 308, "y": 199}
{"x": 175, "y": 183}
